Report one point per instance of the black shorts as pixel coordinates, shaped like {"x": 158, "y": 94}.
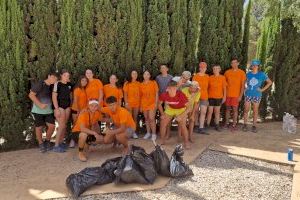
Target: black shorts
{"x": 64, "y": 103}
{"x": 74, "y": 111}
{"x": 215, "y": 102}
{"x": 42, "y": 119}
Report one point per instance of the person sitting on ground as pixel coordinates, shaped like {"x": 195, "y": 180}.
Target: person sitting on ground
{"x": 175, "y": 102}
{"x": 123, "y": 123}
{"x": 216, "y": 95}
{"x": 193, "y": 95}
{"x": 42, "y": 112}
{"x": 88, "y": 128}
{"x": 253, "y": 93}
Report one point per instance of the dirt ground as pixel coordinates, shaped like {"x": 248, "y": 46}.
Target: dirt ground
{"x": 28, "y": 174}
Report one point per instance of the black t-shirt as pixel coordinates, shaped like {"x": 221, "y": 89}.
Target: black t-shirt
{"x": 43, "y": 92}
{"x": 63, "y": 93}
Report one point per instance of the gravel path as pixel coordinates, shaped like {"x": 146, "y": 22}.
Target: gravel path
{"x": 221, "y": 176}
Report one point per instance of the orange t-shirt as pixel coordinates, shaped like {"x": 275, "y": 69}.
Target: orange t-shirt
{"x": 109, "y": 90}
{"x": 215, "y": 86}
{"x": 203, "y": 83}
{"x": 235, "y": 79}
{"x": 81, "y": 99}
{"x": 87, "y": 119}
{"x": 148, "y": 93}
{"x": 92, "y": 89}
{"x": 121, "y": 116}
{"x": 132, "y": 89}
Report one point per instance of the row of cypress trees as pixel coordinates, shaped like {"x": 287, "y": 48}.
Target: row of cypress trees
{"x": 278, "y": 49}
{"x": 108, "y": 36}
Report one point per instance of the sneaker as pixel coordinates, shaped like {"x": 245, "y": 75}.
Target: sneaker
{"x": 58, "y": 149}
{"x": 245, "y": 128}
{"x": 48, "y": 145}
{"x": 226, "y": 126}
{"x": 153, "y": 137}
{"x": 147, "y": 136}
{"x": 201, "y": 131}
{"x": 42, "y": 148}
{"x": 63, "y": 146}
{"x": 135, "y": 136}
{"x": 217, "y": 128}
{"x": 233, "y": 128}
{"x": 72, "y": 144}
{"x": 254, "y": 129}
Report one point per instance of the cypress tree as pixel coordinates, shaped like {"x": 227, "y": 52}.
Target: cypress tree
{"x": 178, "y": 29}
{"x": 13, "y": 75}
{"x": 157, "y": 45}
{"x": 193, "y": 34}
{"x": 287, "y": 71}
{"x": 106, "y": 33}
{"x": 42, "y": 21}
{"x": 270, "y": 26}
{"x": 245, "y": 43}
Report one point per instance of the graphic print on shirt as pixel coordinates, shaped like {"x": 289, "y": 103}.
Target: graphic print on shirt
{"x": 253, "y": 82}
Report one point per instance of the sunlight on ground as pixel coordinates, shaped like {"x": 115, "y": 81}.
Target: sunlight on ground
{"x": 38, "y": 194}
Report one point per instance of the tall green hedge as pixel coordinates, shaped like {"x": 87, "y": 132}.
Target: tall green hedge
{"x": 13, "y": 75}
{"x": 108, "y": 36}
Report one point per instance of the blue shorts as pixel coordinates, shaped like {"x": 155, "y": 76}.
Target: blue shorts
{"x": 252, "y": 99}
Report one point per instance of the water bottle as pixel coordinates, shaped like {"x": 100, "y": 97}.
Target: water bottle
{"x": 292, "y": 128}
{"x": 284, "y": 120}
{"x": 290, "y": 154}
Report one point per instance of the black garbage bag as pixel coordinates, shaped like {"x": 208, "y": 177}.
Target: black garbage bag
{"x": 145, "y": 163}
{"x": 79, "y": 182}
{"x": 161, "y": 161}
{"x": 178, "y": 168}
{"x": 129, "y": 172}
{"x": 111, "y": 165}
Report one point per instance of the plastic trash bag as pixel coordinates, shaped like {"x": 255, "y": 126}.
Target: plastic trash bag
{"x": 145, "y": 163}
{"x": 178, "y": 168}
{"x": 79, "y": 182}
{"x": 129, "y": 172}
{"x": 161, "y": 161}
{"x": 111, "y": 165}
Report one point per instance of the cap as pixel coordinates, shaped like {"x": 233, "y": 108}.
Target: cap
{"x": 186, "y": 75}
{"x": 255, "y": 62}
{"x": 92, "y": 101}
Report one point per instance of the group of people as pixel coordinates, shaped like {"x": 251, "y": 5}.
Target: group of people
{"x": 191, "y": 102}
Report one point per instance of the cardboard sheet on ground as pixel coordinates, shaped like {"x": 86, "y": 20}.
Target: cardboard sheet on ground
{"x": 28, "y": 174}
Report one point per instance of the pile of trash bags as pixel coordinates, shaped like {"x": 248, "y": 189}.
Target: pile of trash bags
{"x": 136, "y": 167}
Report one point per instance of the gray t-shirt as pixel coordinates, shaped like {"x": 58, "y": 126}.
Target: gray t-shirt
{"x": 44, "y": 95}
{"x": 163, "y": 82}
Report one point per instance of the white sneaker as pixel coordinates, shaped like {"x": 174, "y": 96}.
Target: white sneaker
{"x": 154, "y": 136}
{"x": 135, "y": 136}
{"x": 147, "y": 136}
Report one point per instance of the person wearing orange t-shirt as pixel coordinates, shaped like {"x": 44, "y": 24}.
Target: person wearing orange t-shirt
{"x": 216, "y": 95}
{"x": 202, "y": 78}
{"x": 123, "y": 123}
{"x": 87, "y": 128}
{"x": 94, "y": 89}
{"x": 149, "y": 99}
{"x": 112, "y": 89}
{"x": 79, "y": 101}
{"x": 132, "y": 97}
{"x": 235, "y": 79}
